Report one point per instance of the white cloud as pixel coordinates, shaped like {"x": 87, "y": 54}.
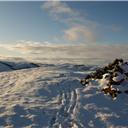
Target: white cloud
{"x": 79, "y": 27}
{"x": 36, "y": 49}
{"x": 80, "y": 32}
{"x": 57, "y": 7}
{"x": 24, "y": 47}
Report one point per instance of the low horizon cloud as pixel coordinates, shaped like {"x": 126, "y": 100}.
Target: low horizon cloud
{"x": 47, "y": 50}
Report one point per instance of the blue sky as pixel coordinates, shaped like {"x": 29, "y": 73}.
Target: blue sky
{"x": 29, "y": 24}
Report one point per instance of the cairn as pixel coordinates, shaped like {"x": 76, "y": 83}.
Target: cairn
{"x": 116, "y": 73}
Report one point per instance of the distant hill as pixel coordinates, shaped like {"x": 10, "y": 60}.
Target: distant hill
{"x": 6, "y": 65}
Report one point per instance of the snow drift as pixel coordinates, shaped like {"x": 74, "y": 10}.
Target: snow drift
{"x": 51, "y": 96}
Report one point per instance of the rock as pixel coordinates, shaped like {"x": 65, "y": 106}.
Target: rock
{"x": 110, "y": 77}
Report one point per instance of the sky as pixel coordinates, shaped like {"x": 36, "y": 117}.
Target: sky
{"x": 69, "y": 28}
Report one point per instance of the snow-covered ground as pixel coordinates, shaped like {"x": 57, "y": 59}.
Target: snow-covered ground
{"x": 51, "y": 96}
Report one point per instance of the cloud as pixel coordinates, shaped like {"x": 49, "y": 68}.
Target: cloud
{"x": 44, "y": 50}
{"x": 79, "y": 28}
{"x": 24, "y": 47}
{"x": 57, "y": 7}
{"x": 80, "y": 32}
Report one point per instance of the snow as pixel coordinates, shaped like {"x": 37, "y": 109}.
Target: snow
{"x": 51, "y": 96}
{"x": 4, "y": 67}
{"x": 125, "y": 67}
{"x": 15, "y": 65}
{"x": 105, "y": 80}
{"x": 119, "y": 77}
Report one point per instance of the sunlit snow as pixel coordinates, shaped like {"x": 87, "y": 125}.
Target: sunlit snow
{"x": 51, "y": 96}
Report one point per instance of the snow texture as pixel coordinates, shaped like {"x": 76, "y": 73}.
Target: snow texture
{"x": 51, "y": 96}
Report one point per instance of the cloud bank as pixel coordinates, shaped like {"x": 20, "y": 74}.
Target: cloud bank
{"x": 47, "y": 50}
